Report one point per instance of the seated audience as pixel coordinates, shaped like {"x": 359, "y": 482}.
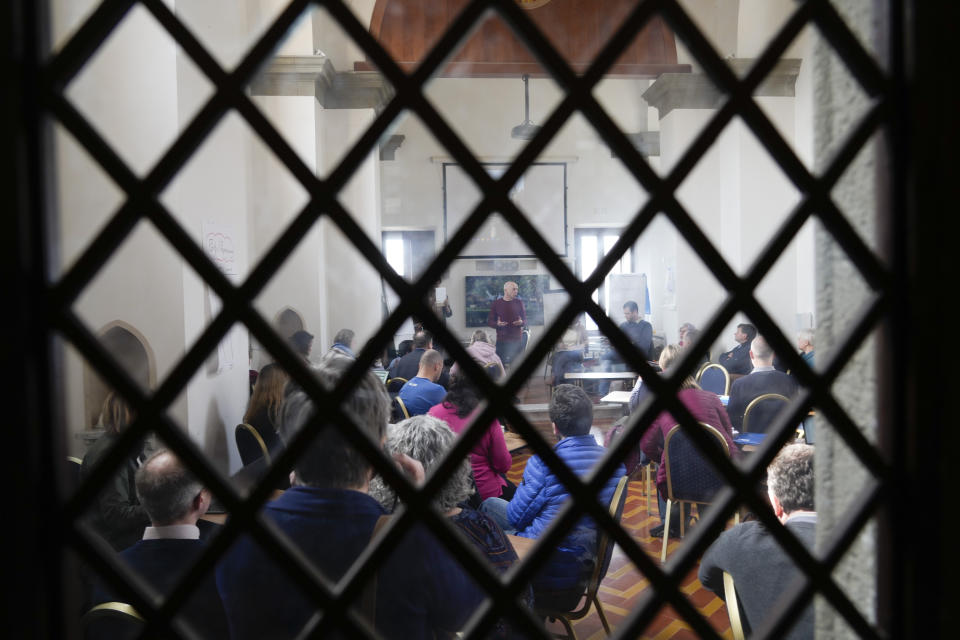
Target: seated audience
{"x": 484, "y": 353}
{"x": 760, "y": 568}
{"x": 490, "y": 457}
{"x": 705, "y": 407}
{"x": 560, "y": 584}
{"x": 405, "y": 347}
{"x": 117, "y": 514}
{"x": 175, "y": 501}
{"x": 426, "y": 440}
{"x": 409, "y": 364}
{"x": 762, "y": 379}
{"x": 422, "y": 391}
{"x": 421, "y": 591}
{"x": 343, "y": 343}
{"x": 690, "y": 338}
{"x": 737, "y": 360}
{"x": 568, "y": 355}
{"x": 266, "y": 405}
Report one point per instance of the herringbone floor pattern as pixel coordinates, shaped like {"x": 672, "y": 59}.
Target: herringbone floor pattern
{"x": 624, "y": 585}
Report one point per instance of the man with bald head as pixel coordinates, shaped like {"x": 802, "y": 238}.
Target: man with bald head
{"x": 174, "y": 499}
{"x": 422, "y": 391}
{"x": 762, "y": 379}
{"x": 508, "y": 317}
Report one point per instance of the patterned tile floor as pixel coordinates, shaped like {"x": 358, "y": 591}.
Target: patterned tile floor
{"x": 624, "y": 585}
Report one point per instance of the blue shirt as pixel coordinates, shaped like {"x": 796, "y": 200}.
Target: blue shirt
{"x": 422, "y": 592}
{"x": 419, "y": 394}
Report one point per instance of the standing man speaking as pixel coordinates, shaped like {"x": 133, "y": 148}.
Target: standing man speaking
{"x": 508, "y": 317}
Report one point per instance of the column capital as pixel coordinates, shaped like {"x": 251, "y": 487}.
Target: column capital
{"x": 696, "y": 91}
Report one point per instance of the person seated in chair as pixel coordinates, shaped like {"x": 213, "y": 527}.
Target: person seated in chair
{"x": 737, "y": 360}
{"x": 640, "y": 333}
{"x": 705, "y": 407}
{"x": 422, "y": 391}
{"x": 762, "y": 379}
{"x": 175, "y": 501}
{"x": 760, "y": 568}
{"x": 568, "y": 355}
{"x": 408, "y": 365}
{"x": 421, "y": 591}
{"x": 540, "y": 496}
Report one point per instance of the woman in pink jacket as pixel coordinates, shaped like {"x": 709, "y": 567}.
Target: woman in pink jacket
{"x": 490, "y": 457}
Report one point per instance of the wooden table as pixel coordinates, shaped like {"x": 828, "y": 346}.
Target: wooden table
{"x": 523, "y": 546}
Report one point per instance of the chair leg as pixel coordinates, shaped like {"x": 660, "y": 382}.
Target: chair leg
{"x": 603, "y": 617}
{"x": 682, "y": 521}
{"x": 569, "y": 627}
{"x": 647, "y": 470}
{"x": 666, "y": 533}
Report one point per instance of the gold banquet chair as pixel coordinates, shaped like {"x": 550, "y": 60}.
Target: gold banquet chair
{"x": 112, "y": 620}
{"x": 733, "y": 607}
{"x": 605, "y": 546}
{"x": 250, "y": 445}
{"x": 714, "y": 378}
{"x": 690, "y": 478}
{"x": 762, "y": 408}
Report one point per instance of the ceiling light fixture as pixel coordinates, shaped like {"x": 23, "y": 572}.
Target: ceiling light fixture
{"x": 525, "y": 130}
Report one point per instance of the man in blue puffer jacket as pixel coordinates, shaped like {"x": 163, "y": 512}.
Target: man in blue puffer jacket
{"x": 561, "y": 582}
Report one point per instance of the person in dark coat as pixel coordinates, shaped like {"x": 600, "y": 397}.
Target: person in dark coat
{"x": 117, "y": 514}
{"x": 760, "y": 568}
{"x": 762, "y": 379}
{"x": 737, "y": 360}
{"x": 421, "y": 589}
{"x": 174, "y": 500}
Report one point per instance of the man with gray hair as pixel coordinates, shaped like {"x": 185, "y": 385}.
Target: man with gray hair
{"x": 762, "y": 379}
{"x": 174, "y": 500}
{"x": 760, "y": 567}
{"x": 420, "y": 590}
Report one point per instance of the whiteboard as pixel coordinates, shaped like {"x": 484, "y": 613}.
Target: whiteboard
{"x": 541, "y": 194}
{"x": 626, "y": 286}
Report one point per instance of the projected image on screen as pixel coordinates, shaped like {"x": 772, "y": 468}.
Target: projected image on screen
{"x": 540, "y": 194}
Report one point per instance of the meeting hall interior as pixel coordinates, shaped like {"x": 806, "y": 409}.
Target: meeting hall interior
{"x": 507, "y": 318}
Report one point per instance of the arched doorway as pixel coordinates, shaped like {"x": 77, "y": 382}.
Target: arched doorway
{"x": 131, "y": 349}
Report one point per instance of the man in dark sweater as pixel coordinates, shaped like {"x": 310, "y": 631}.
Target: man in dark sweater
{"x": 763, "y": 379}
{"x": 760, "y": 568}
{"x": 508, "y": 317}
{"x": 737, "y": 360}
{"x": 174, "y": 500}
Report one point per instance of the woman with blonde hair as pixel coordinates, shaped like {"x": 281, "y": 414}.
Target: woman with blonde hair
{"x": 266, "y": 405}
{"x": 117, "y": 513}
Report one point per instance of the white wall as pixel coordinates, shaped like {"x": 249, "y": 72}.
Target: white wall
{"x": 141, "y": 284}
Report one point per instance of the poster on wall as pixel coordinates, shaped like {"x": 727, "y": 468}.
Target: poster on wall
{"x": 481, "y": 291}
{"x": 218, "y": 244}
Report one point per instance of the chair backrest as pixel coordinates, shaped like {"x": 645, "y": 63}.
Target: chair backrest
{"x": 71, "y": 471}
{"x": 733, "y": 607}
{"x": 762, "y": 411}
{"x": 398, "y": 410}
{"x": 395, "y": 384}
{"x": 525, "y": 338}
{"x": 250, "y": 445}
{"x": 714, "y": 378}
{"x": 114, "y": 620}
{"x": 605, "y": 542}
{"x": 690, "y": 477}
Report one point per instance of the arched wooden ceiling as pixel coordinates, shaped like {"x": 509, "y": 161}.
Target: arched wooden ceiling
{"x": 407, "y": 29}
